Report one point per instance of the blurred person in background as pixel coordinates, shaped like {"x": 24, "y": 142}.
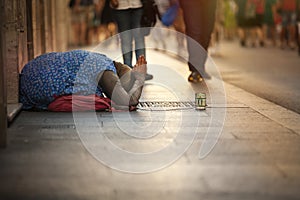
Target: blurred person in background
{"x": 108, "y": 21}
{"x": 217, "y": 34}
{"x": 287, "y": 10}
{"x": 158, "y": 34}
{"x": 269, "y": 20}
{"x": 254, "y": 18}
{"x": 199, "y": 17}
{"x": 128, "y": 16}
{"x": 104, "y": 22}
{"x": 82, "y": 12}
{"x": 242, "y": 21}
{"x": 225, "y": 25}
{"x": 95, "y": 31}
{"x": 259, "y": 18}
{"x": 230, "y": 9}
{"x": 178, "y": 25}
{"x": 298, "y": 26}
{"x": 250, "y": 20}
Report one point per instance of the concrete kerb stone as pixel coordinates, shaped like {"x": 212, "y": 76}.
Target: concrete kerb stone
{"x": 279, "y": 114}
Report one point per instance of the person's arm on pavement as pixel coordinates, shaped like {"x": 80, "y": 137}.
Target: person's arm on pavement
{"x": 112, "y": 87}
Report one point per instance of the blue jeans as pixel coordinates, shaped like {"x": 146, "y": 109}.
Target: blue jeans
{"x": 128, "y": 21}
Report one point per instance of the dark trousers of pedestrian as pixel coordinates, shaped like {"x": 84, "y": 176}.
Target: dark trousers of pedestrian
{"x": 199, "y": 17}
{"x": 128, "y": 21}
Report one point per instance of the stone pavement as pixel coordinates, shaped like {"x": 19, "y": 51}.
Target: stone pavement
{"x": 63, "y": 156}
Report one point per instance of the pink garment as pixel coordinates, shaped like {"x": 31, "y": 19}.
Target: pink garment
{"x": 71, "y": 103}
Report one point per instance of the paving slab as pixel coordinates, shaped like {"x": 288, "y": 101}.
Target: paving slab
{"x": 255, "y": 157}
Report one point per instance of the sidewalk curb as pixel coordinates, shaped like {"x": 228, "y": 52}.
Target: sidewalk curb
{"x": 287, "y": 118}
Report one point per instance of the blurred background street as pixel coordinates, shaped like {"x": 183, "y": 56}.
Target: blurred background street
{"x": 270, "y": 73}
{"x": 251, "y": 125}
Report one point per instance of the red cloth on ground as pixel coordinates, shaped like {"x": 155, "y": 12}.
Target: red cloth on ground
{"x": 71, "y": 103}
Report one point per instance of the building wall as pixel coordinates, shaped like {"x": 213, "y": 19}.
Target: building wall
{"x": 49, "y": 19}
{"x": 62, "y": 25}
{"x": 3, "y": 101}
{"x": 14, "y": 39}
{"x": 50, "y": 25}
{"x": 28, "y": 28}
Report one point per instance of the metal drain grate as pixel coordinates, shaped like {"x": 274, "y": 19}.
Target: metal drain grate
{"x": 166, "y": 104}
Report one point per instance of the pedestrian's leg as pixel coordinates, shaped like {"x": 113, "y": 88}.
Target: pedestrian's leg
{"x": 253, "y": 36}
{"x": 292, "y": 33}
{"x": 124, "y": 27}
{"x": 192, "y": 17}
{"x": 139, "y": 39}
{"x": 242, "y": 36}
{"x": 273, "y": 35}
{"x": 284, "y": 31}
{"x": 199, "y": 19}
{"x": 261, "y": 36}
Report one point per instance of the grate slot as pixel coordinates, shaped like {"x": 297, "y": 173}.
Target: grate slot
{"x": 166, "y": 104}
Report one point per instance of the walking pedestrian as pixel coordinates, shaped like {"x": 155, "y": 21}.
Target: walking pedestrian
{"x": 242, "y": 21}
{"x": 81, "y": 19}
{"x": 128, "y": 16}
{"x": 287, "y": 9}
{"x": 259, "y": 17}
{"x": 199, "y": 17}
{"x": 108, "y": 21}
{"x": 229, "y": 19}
{"x": 269, "y": 20}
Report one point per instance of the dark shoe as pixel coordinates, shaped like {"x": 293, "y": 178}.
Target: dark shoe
{"x": 148, "y": 77}
{"x": 195, "y": 77}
